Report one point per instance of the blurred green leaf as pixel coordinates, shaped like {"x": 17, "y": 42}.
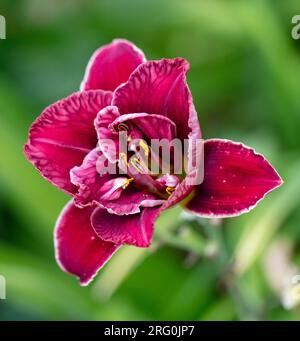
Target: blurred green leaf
{"x": 41, "y": 288}
{"x": 245, "y": 82}
{"x": 265, "y": 220}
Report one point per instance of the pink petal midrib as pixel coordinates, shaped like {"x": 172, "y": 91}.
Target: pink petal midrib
{"x": 61, "y": 144}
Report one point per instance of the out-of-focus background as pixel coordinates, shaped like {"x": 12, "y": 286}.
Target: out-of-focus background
{"x": 245, "y": 80}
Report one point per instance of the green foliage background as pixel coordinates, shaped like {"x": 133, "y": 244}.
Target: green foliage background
{"x": 245, "y": 82}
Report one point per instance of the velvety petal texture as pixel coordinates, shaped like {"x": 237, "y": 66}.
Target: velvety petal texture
{"x": 236, "y": 178}
{"x": 152, "y": 126}
{"x": 108, "y": 139}
{"x": 115, "y": 193}
{"x": 130, "y": 201}
{"x": 63, "y": 134}
{"x": 134, "y": 229}
{"x": 111, "y": 65}
{"x": 96, "y": 144}
{"x": 79, "y": 250}
{"x": 88, "y": 179}
{"x": 159, "y": 88}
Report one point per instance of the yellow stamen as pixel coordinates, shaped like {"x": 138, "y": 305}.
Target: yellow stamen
{"x": 144, "y": 146}
{"x": 128, "y": 181}
{"x": 170, "y": 190}
{"x": 123, "y": 158}
{"x": 136, "y": 163}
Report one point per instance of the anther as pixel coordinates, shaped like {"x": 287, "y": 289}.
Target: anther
{"x": 128, "y": 181}
{"x": 144, "y": 146}
{"x": 137, "y": 165}
{"x": 170, "y": 190}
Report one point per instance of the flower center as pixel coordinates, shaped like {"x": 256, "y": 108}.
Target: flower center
{"x": 136, "y": 164}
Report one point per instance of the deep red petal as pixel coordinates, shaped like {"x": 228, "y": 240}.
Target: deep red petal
{"x": 79, "y": 250}
{"x": 152, "y": 126}
{"x": 134, "y": 229}
{"x": 108, "y": 139}
{"x": 131, "y": 201}
{"x": 159, "y": 88}
{"x": 63, "y": 134}
{"x": 111, "y": 65}
{"x": 107, "y": 190}
{"x": 236, "y": 178}
{"x": 88, "y": 179}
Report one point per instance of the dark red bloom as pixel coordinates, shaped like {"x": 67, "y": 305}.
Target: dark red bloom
{"x": 152, "y": 101}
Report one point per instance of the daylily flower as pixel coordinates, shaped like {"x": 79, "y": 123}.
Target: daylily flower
{"x": 150, "y": 100}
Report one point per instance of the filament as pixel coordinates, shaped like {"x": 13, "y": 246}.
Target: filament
{"x": 144, "y": 146}
{"x": 137, "y": 165}
{"x": 123, "y": 158}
